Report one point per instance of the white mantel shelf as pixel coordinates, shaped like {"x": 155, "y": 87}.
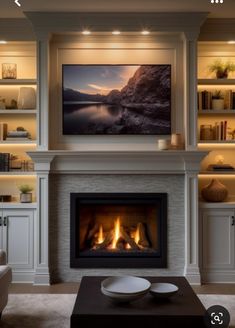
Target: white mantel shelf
{"x": 118, "y": 162}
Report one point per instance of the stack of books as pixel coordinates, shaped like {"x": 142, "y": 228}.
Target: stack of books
{"x": 220, "y": 130}
{"x": 17, "y": 135}
{"x": 4, "y": 162}
{"x": 205, "y": 99}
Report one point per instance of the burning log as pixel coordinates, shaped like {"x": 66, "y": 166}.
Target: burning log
{"x": 128, "y": 239}
{"x": 93, "y": 231}
{"x": 143, "y": 241}
{"x": 107, "y": 240}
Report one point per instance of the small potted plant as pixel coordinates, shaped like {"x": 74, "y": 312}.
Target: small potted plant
{"x": 222, "y": 69}
{"x": 26, "y": 194}
{"x": 217, "y": 100}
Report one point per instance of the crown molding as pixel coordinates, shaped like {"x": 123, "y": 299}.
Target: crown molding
{"x": 58, "y": 22}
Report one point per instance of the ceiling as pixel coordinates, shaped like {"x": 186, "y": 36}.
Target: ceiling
{"x": 8, "y": 8}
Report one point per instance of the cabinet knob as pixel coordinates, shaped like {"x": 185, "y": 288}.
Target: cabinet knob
{"x": 233, "y": 221}
{"x": 0, "y": 221}
{"x": 5, "y": 221}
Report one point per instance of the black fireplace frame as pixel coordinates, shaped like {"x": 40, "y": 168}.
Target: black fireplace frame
{"x": 152, "y": 261}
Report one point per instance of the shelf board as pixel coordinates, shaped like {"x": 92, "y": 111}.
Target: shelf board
{"x": 217, "y": 142}
{"x": 12, "y": 173}
{"x": 7, "y": 142}
{"x": 217, "y": 172}
{"x": 17, "y": 81}
{"x": 17, "y": 205}
{"x": 216, "y": 81}
{"x": 215, "y": 112}
{"x": 18, "y": 111}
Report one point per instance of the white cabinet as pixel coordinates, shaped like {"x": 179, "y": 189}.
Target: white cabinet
{"x": 17, "y": 228}
{"x": 218, "y": 244}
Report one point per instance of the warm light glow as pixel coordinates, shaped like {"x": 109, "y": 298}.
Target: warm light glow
{"x": 3, "y": 42}
{"x": 231, "y": 42}
{"x": 137, "y": 235}
{"x": 116, "y": 233}
{"x": 86, "y": 32}
{"x": 116, "y": 32}
{"x": 145, "y": 32}
{"x": 128, "y": 246}
{"x": 100, "y": 235}
{"x": 18, "y": 3}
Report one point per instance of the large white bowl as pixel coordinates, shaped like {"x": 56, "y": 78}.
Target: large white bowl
{"x": 125, "y": 285}
{"x": 163, "y": 290}
{"x": 121, "y": 298}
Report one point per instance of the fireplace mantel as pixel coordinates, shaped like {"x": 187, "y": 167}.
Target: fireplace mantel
{"x": 117, "y": 162}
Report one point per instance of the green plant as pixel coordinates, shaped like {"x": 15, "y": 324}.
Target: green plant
{"x": 217, "y": 95}
{"x": 222, "y": 68}
{"x": 24, "y": 189}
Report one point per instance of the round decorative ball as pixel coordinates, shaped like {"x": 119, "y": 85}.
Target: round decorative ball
{"x": 215, "y": 191}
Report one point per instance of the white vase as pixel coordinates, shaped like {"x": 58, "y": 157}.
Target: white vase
{"x": 218, "y": 104}
{"x": 26, "y": 98}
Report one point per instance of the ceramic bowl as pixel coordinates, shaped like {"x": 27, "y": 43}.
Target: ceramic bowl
{"x": 125, "y": 285}
{"x": 163, "y": 290}
{"x": 123, "y": 298}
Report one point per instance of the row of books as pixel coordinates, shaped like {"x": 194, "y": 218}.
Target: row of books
{"x": 205, "y": 99}
{"x": 218, "y": 131}
{"x": 4, "y": 162}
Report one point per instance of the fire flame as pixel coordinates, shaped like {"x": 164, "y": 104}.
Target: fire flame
{"x": 116, "y": 233}
{"x": 100, "y": 235}
{"x": 137, "y": 235}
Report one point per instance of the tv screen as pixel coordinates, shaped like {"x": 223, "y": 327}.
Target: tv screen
{"x": 116, "y": 99}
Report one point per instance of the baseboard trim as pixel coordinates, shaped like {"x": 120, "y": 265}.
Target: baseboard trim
{"x": 219, "y": 277}
{"x": 23, "y": 277}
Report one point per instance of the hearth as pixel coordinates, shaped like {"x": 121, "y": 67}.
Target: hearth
{"x": 118, "y": 230}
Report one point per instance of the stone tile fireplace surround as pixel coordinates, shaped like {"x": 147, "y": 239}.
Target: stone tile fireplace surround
{"x": 63, "y": 172}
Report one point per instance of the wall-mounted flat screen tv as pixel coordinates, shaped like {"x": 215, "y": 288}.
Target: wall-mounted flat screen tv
{"x": 116, "y": 99}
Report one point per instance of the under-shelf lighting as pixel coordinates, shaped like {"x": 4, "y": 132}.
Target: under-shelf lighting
{"x": 145, "y": 32}
{"x": 86, "y": 32}
{"x": 116, "y": 32}
{"x": 3, "y": 42}
{"x": 231, "y": 42}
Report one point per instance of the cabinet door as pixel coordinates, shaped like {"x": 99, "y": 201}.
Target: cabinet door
{"x": 18, "y": 231}
{"x": 218, "y": 239}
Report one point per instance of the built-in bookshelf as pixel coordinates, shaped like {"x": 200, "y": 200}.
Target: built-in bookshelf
{"x": 219, "y": 122}
{"x": 18, "y": 117}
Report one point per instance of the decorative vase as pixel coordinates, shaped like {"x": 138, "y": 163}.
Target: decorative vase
{"x": 215, "y": 191}
{"x": 26, "y": 198}
{"x": 218, "y": 104}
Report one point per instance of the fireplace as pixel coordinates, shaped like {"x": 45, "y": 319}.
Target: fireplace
{"x": 123, "y": 230}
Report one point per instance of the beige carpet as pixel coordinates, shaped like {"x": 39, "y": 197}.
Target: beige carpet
{"x": 54, "y": 310}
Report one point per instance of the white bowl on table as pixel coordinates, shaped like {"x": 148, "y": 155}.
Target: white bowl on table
{"x": 163, "y": 290}
{"x": 125, "y": 288}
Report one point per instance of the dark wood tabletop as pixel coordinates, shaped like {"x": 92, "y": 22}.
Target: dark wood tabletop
{"x": 93, "y": 308}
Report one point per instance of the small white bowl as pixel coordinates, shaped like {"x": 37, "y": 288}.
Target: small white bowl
{"x": 163, "y": 290}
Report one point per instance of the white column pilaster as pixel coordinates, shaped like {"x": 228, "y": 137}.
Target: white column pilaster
{"x": 191, "y": 270}
{"x": 43, "y": 92}
{"x": 190, "y": 99}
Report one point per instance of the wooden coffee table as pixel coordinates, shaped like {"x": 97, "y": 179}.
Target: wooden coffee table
{"x": 93, "y": 309}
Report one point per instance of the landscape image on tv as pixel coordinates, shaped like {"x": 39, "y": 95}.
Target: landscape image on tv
{"x": 116, "y": 99}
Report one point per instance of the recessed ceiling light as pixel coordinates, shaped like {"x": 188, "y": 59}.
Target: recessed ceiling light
{"x": 231, "y": 42}
{"x": 17, "y": 3}
{"x": 145, "y": 32}
{"x": 86, "y": 32}
{"x": 116, "y": 32}
{"x": 3, "y": 42}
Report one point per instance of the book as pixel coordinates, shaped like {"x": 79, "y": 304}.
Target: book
{"x": 3, "y": 131}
